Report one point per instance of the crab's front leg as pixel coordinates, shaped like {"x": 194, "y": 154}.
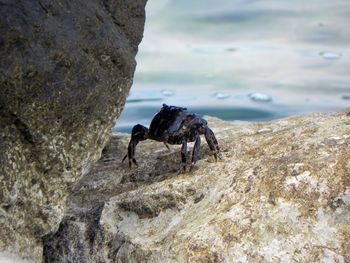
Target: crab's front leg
{"x": 212, "y": 142}
{"x": 196, "y": 151}
{"x": 183, "y": 155}
{"x": 138, "y": 133}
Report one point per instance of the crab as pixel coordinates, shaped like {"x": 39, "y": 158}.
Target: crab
{"x": 174, "y": 125}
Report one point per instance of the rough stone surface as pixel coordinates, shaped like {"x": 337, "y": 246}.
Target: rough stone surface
{"x": 281, "y": 193}
{"x": 65, "y": 70}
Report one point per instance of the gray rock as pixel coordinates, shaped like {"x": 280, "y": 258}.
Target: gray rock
{"x": 281, "y": 192}
{"x": 66, "y": 68}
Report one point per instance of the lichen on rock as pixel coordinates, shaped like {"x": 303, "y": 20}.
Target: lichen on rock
{"x": 280, "y": 193}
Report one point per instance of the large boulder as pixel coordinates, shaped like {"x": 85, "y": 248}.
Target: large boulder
{"x": 66, "y": 68}
{"x": 280, "y": 193}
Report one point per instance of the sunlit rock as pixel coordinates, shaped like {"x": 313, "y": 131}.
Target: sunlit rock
{"x": 281, "y": 192}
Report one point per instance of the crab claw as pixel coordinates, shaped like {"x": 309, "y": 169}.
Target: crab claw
{"x": 132, "y": 158}
{"x": 138, "y": 133}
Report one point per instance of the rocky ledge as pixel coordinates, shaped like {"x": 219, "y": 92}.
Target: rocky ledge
{"x": 280, "y": 193}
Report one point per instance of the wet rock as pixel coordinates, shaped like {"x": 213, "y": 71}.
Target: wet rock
{"x": 330, "y": 55}
{"x": 259, "y": 97}
{"x": 221, "y": 95}
{"x": 66, "y": 68}
{"x": 167, "y": 92}
{"x": 277, "y": 195}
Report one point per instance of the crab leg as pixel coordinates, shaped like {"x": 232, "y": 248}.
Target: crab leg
{"x": 183, "y": 155}
{"x": 212, "y": 142}
{"x": 196, "y": 150}
{"x": 131, "y": 152}
{"x": 138, "y": 133}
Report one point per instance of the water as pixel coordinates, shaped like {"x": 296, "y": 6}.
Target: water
{"x": 211, "y": 56}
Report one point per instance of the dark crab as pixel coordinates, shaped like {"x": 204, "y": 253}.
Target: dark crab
{"x": 174, "y": 125}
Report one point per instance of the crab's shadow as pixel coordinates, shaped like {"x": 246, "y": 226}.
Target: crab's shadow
{"x": 109, "y": 176}
{"x": 161, "y": 165}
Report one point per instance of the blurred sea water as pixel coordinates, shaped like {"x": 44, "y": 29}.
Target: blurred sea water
{"x": 241, "y": 59}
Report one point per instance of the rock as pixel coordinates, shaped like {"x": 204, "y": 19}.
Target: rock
{"x": 66, "y": 68}
{"x": 280, "y": 195}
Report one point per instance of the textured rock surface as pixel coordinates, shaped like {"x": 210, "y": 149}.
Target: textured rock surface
{"x": 281, "y": 193}
{"x": 65, "y": 70}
